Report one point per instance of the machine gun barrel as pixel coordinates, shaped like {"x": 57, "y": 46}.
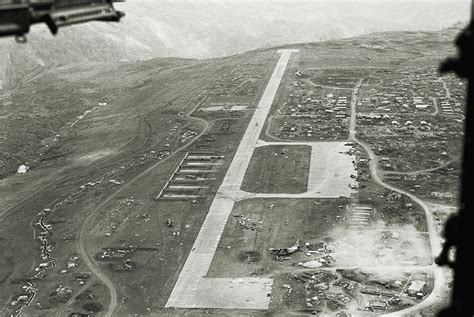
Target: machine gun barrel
{"x": 17, "y": 16}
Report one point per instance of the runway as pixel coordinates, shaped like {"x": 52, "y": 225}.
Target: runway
{"x": 193, "y": 289}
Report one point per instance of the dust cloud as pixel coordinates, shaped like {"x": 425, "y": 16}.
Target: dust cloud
{"x": 379, "y": 245}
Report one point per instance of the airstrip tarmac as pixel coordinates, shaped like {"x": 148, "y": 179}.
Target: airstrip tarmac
{"x": 329, "y": 177}
{"x": 192, "y": 288}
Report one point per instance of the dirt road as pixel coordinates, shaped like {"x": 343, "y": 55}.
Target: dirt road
{"x": 435, "y": 241}
{"x": 88, "y": 259}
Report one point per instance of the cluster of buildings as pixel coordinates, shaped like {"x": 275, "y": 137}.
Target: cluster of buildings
{"x": 320, "y": 114}
{"x": 323, "y": 291}
{"x": 388, "y": 101}
{"x": 413, "y": 90}
{"x": 30, "y": 289}
{"x": 115, "y": 253}
{"x": 384, "y": 300}
{"x": 237, "y": 82}
{"x": 450, "y": 107}
{"x": 20, "y": 302}
{"x": 412, "y": 118}
{"x": 426, "y": 127}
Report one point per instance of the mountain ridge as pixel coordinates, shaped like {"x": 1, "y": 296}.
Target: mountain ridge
{"x": 207, "y": 30}
{"x": 67, "y": 90}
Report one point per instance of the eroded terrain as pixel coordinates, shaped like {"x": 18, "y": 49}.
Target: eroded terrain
{"x": 321, "y": 192}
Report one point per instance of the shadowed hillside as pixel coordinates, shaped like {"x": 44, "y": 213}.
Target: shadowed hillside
{"x": 214, "y": 29}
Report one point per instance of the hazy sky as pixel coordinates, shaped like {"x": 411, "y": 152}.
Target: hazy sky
{"x": 328, "y": 1}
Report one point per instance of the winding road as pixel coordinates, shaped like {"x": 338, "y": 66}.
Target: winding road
{"x": 426, "y": 170}
{"x": 435, "y": 240}
{"x": 88, "y": 260}
{"x": 445, "y": 87}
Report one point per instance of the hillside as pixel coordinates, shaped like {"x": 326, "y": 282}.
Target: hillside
{"x": 127, "y": 159}
{"x": 49, "y": 98}
{"x": 214, "y": 29}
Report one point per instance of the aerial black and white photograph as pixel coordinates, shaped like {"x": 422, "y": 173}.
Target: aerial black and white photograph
{"x": 236, "y": 158}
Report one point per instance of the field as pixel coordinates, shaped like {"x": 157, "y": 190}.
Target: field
{"x": 278, "y": 169}
{"x": 340, "y": 78}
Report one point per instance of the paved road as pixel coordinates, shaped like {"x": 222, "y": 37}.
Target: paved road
{"x": 353, "y": 122}
{"x": 193, "y": 289}
{"x": 435, "y": 241}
